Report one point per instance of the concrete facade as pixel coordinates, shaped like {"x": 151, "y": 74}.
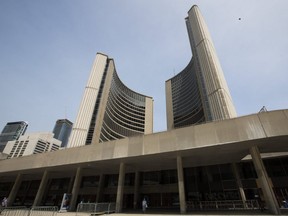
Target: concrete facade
{"x": 32, "y": 143}
{"x": 109, "y": 110}
{"x": 219, "y": 142}
{"x": 183, "y": 169}
{"x": 199, "y": 93}
{"x": 235, "y": 136}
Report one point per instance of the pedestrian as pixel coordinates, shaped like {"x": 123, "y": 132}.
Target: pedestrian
{"x": 284, "y": 203}
{"x": 144, "y": 205}
{"x": 4, "y": 202}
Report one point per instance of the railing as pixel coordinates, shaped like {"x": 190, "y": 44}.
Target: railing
{"x": 14, "y": 211}
{"x": 34, "y": 211}
{"x": 43, "y": 211}
{"x": 96, "y": 208}
{"x": 223, "y": 205}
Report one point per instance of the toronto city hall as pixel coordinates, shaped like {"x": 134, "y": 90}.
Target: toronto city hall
{"x": 207, "y": 157}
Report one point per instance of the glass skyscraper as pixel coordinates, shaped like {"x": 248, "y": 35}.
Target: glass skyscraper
{"x": 62, "y": 131}
{"x": 12, "y": 131}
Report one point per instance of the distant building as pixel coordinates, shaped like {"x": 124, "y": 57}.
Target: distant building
{"x": 32, "y": 143}
{"x": 62, "y": 130}
{"x": 199, "y": 93}
{"x": 110, "y": 110}
{"x": 12, "y": 131}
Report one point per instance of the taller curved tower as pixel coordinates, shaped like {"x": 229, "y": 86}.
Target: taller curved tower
{"x": 109, "y": 110}
{"x": 199, "y": 93}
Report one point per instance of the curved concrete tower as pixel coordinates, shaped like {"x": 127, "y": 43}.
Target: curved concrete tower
{"x": 109, "y": 110}
{"x": 199, "y": 93}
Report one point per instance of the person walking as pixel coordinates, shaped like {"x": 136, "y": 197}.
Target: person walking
{"x": 4, "y": 202}
{"x": 144, "y": 205}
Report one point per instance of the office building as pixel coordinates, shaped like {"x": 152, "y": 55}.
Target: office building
{"x": 109, "y": 110}
{"x": 33, "y": 143}
{"x": 219, "y": 165}
{"x": 12, "y": 131}
{"x": 199, "y": 93}
{"x": 62, "y": 131}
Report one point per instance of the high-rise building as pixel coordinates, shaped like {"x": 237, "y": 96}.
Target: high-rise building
{"x": 12, "y": 131}
{"x": 110, "y": 110}
{"x": 62, "y": 131}
{"x": 33, "y": 143}
{"x": 199, "y": 93}
{"x": 232, "y": 164}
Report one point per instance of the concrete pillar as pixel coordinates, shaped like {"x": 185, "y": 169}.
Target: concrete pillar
{"x": 181, "y": 187}
{"x": 120, "y": 188}
{"x": 264, "y": 181}
{"x": 70, "y": 186}
{"x": 75, "y": 189}
{"x": 41, "y": 189}
{"x": 14, "y": 190}
{"x": 100, "y": 188}
{"x": 239, "y": 183}
{"x": 136, "y": 189}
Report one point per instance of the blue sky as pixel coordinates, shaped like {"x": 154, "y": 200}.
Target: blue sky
{"x": 47, "y": 48}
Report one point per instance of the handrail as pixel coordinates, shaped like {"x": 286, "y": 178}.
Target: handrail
{"x": 24, "y": 211}
{"x": 106, "y": 208}
{"x": 44, "y": 210}
{"x": 223, "y": 205}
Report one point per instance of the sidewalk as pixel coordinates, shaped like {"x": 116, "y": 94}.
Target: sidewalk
{"x": 130, "y": 214}
{"x": 172, "y": 213}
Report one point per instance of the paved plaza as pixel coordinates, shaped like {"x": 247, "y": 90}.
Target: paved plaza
{"x": 172, "y": 213}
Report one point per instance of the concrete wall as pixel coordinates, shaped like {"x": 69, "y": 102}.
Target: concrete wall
{"x": 268, "y": 130}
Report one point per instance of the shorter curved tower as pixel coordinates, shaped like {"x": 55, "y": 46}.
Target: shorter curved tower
{"x": 109, "y": 110}
{"x": 199, "y": 93}
{"x": 183, "y": 99}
